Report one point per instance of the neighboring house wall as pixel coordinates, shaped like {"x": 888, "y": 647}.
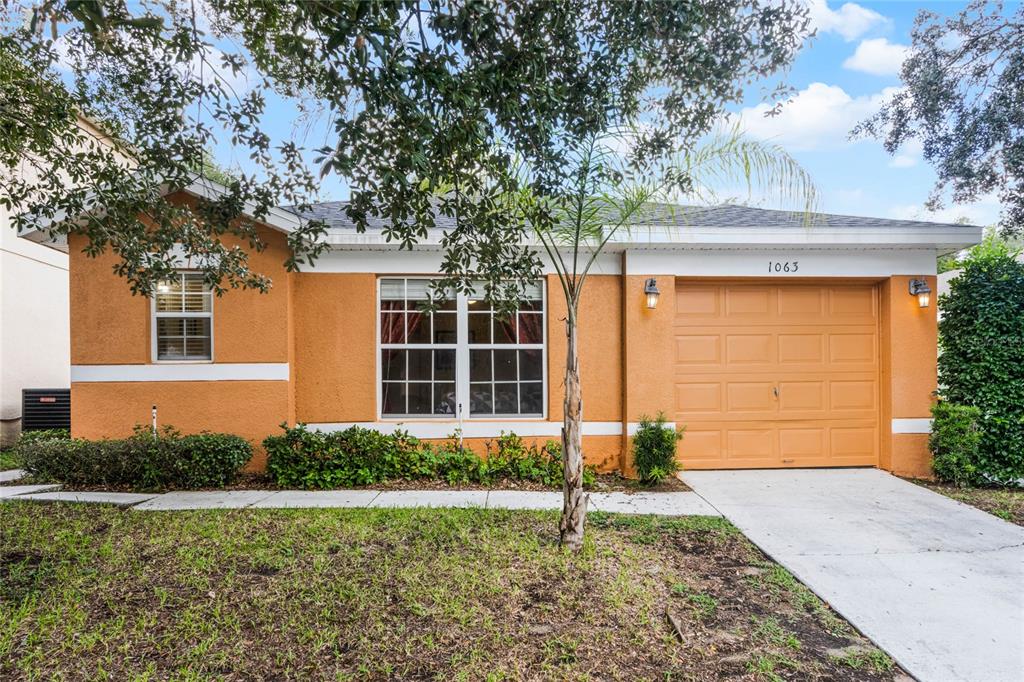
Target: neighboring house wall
{"x": 34, "y": 323}
{"x": 34, "y": 294}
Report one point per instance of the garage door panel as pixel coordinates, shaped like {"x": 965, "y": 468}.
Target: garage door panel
{"x": 699, "y": 399}
{"x": 801, "y": 350}
{"x": 745, "y": 350}
{"x": 739, "y": 343}
{"x": 797, "y": 398}
{"x": 698, "y": 302}
{"x": 699, "y": 349}
{"x": 852, "y": 349}
{"x": 848, "y": 304}
{"x": 750, "y": 399}
{"x": 803, "y": 444}
{"x": 854, "y": 445}
{"x": 746, "y": 301}
{"x": 853, "y": 395}
{"x": 750, "y": 444}
{"x": 801, "y": 304}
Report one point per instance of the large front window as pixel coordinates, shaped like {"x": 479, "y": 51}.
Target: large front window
{"x": 461, "y": 357}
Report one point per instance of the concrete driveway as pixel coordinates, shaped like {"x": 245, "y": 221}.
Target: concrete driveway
{"x": 937, "y": 584}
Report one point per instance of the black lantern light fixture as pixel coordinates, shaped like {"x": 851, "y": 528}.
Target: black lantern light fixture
{"x": 920, "y": 288}
{"x": 652, "y": 293}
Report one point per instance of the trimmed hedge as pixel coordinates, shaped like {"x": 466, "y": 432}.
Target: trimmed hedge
{"x": 301, "y": 458}
{"x": 144, "y": 461}
{"x": 654, "y": 449}
{"x": 981, "y": 337}
{"x": 954, "y": 442}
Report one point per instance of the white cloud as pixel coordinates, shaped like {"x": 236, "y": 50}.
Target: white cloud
{"x": 902, "y": 161}
{"x": 985, "y": 211}
{"x": 818, "y": 117}
{"x": 878, "y": 57}
{"x": 850, "y": 21}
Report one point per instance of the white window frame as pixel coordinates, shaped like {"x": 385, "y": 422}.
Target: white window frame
{"x": 462, "y": 348}
{"x": 154, "y": 315}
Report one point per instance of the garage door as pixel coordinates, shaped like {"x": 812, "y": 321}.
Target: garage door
{"x": 776, "y": 375}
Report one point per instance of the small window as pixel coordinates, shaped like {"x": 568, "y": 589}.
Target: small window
{"x": 183, "y": 319}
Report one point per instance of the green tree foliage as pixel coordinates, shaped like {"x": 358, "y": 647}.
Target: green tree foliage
{"x": 962, "y": 99}
{"x": 982, "y": 360}
{"x": 419, "y": 94}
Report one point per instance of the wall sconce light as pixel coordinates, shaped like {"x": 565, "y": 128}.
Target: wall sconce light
{"x": 920, "y": 288}
{"x": 652, "y": 293}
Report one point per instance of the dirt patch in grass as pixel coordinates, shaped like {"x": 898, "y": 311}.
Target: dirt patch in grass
{"x": 405, "y": 594}
{"x": 1006, "y": 503}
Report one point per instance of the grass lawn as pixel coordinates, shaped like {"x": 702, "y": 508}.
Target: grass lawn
{"x": 7, "y": 460}
{"x": 1006, "y": 503}
{"x": 98, "y": 593}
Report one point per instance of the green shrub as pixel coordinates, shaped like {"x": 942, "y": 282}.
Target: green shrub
{"x": 301, "y": 458}
{"x": 27, "y": 437}
{"x": 954, "y": 443}
{"x": 981, "y": 363}
{"x": 654, "y": 449}
{"x": 144, "y": 461}
{"x": 511, "y": 458}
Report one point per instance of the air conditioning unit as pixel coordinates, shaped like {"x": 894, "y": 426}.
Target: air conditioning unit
{"x": 45, "y": 408}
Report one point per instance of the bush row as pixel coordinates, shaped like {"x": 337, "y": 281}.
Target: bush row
{"x": 302, "y": 458}
{"x": 144, "y": 461}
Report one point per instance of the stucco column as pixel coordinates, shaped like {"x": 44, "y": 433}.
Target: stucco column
{"x": 909, "y": 340}
{"x": 648, "y": 355}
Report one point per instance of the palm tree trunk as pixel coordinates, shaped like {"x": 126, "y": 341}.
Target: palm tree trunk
{"x": 574, "y": 509}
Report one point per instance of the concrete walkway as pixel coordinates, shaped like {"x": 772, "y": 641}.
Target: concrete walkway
{"x": 667, "y": 504}
{"x": 939, "y": 585}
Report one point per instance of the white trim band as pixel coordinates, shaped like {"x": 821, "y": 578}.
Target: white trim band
{"x": 911, "y": 425}
{"x": 475, "y": 428}
{"x": 634, "y": 426}
{"x": 224, "y": 371}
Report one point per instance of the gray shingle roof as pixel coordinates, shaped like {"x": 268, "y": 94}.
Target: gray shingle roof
{"x": 724, "y": 216}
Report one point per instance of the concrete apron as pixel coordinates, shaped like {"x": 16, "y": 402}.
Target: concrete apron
{"x": 938, "y": 584}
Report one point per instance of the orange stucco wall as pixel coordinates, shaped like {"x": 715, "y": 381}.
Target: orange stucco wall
{"x": 649, "y": 355}
{"x": 247, "y": 326}
{"x": 99, "y": 298}
{"x": 251, "y": 409}
{"x": 600, "y": 348}
{"x": 909, "y": 349}
{"x": 335, "y": 338}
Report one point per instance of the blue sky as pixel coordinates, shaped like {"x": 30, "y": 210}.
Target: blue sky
{"x": 840, "y": 77}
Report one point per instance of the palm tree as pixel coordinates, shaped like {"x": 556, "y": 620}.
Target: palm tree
{"x": 608, "y": 198}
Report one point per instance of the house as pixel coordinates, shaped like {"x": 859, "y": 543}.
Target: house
{"x": 775, "y": 343}
{"x": 34, "y": 332}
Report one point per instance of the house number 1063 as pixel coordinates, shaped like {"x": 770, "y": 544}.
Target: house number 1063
{"x": 787, "y": 266}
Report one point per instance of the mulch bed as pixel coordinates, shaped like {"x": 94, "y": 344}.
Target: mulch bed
{"x": 604, "y": 483}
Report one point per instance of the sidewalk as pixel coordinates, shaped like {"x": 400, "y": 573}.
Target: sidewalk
{"x": 665, "y": 504}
